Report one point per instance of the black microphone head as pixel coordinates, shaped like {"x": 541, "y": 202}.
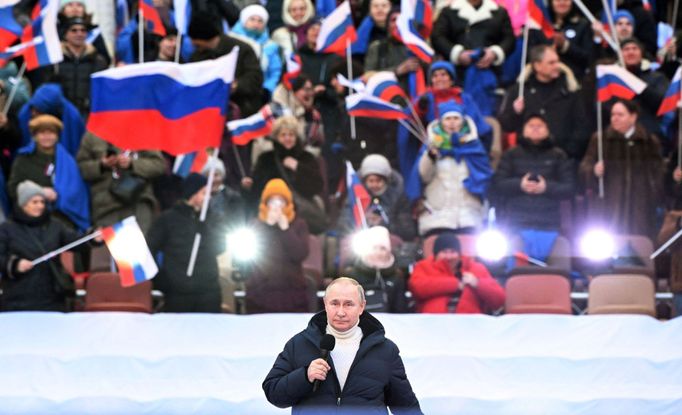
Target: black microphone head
{"x": 328, "y": 342}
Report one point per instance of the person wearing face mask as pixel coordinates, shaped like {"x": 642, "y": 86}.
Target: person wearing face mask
{"x": 276, "y": 284}
{"x": 632, "y": 171}
{"x": 252, "y": 29}
{"x": 364, "y": 373}
{"x": 170, "y": 240}
{"x": 448, "y": 282}
{"x": 388, "y": 205}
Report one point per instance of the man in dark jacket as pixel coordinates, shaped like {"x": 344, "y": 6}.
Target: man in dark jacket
{"x": 211, "y": 44}
{"x": 170, "y": 240}
{"x": 552, "y": 91}
{"x": 366, "y": 372}
{"x": 533, "y": 178}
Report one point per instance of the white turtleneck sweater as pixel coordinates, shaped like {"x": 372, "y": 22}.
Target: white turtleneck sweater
{"x": 345, "y": 349}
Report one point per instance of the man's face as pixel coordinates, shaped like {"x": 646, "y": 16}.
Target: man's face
{"x": 167, "y": 46}
{"x": 312, "y": 34}
{"x": 449, "y": 255}
{"x": 76, "y": 35}
{"x": 548, "y": 67}
{"x": 632, "y": 55}
{"x": 343, "y": 306}
{"x": 197, "y": 199}
{"x": 440, "y": 79}
{"x": 621, "y": 119}
{"x": 624, "y": 28}
{"x": 535, "y": 130}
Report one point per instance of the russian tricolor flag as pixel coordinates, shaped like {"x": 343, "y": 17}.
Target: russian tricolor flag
{"x": 152, "y": 19}
{"x": 193, "y": 162}
{"x": 615, "y": 81}
{"x": 336, "y": 30}
{"x": 46, "y": 48}
{"x": 384, "y": 85}
{"x": 10, "y": 29}
{"x": 293, "y": 66}
{"x": 129, "y": 249}
{"x": 421, "y": 13}
{"x": 363, "y": 105}
{"x": 673, "y": 97}
{"x": 163, "y": 105}
{"x": 247, "y": 129}
{"x": 412, "y": 39}
{"x": 538, "y": 17}
{"x": 358, "y": 198}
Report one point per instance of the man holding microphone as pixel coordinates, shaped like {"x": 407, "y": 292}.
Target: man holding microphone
{"x": 364, "y": 374}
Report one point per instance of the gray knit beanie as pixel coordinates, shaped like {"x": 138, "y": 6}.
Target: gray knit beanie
{"x": 26, "y": 190}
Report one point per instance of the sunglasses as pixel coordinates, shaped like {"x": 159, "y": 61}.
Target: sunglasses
{"x": 76, "y": 30}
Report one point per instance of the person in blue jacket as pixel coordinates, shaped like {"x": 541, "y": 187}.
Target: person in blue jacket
{"x": 364, "y": 375}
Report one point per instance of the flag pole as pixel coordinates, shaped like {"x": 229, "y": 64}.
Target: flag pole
{"x": 65, "y": 248}
{"x": 349, "y": 66}
{"x": 676, "y": 9}
{"x": 524, "y": 54}
{"x": 614, "y": 35}
{"x": 666, "y": 244}
{"x": 240, "y": 165}
{"x": 202, "y": 216}
{"x": 15, "y": 87}
{"x": 140, "y": 35}
{"x": 679, "y": 135}
{"x": 600, "y": 148}
{"x": 178, "y": 47}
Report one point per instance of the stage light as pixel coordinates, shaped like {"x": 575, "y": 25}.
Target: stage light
{"x": 597, "y": 245}
{"x": 491, "y": 245}
{"x": 243, "y": 244}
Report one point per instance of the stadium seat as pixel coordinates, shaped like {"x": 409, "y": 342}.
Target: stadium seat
{"x": 558, "y": 262}
{"x": 622, "y": 294}
{"x": 104, "y": 293}
{"x": 643, "y": 247}
{"x": 538, "y": 294}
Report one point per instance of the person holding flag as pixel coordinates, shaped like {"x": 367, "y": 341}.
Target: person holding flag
{"x": 30, "y": 233}
{"x": 170, "y": 241}
{"x": 632, "y": 170}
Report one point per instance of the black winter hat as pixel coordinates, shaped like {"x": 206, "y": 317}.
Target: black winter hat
{"x": 446, "y": 241}
{"x": 203, "y": 26}
{"x": 192, "y": 184}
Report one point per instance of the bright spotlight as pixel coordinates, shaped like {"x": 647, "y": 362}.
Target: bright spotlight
{"x": 597, "y": 245}
{"x": 491, "y": 245}
{"x": 243, "y": 244}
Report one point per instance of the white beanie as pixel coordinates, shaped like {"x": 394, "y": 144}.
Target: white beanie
{"x": 375, "y": 164}
{"x": 253, "y": 10}
{"x": 26, "y": 190}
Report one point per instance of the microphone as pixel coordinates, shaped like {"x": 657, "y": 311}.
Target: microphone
{"x": 326, "y": 345}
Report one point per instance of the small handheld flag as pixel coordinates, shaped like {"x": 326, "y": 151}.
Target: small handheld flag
{"x": 152, "y": 19}
{"x": 293, "y": 66}
{"x": 538, "y": 17}
{"x": 615, "y": 81}
{"x": 247, "y": 129}
{"x": 336, "y": 30}
{"x": 673, "y": 97}
{"x": 384, "y": 85}
{"x": 130, "y": 251}
{"x": 358, "y": 197}
{"x": 409, "y": 35}
{"x": 363, "y": 105}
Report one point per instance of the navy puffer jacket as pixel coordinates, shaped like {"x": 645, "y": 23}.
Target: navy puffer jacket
{"x": 377, "y": 377}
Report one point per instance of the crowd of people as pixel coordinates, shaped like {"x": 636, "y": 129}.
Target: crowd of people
{"x": 498, "y": 133}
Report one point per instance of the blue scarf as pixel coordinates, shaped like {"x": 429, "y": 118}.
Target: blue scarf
{"x": 481, "y": 84}
{"x": 476, "y": 159}
{"x": 73, "y": 198}
{"x": 49, "y": 99}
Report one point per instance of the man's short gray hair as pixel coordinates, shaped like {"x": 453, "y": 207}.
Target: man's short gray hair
{"x": 348, "y": 280}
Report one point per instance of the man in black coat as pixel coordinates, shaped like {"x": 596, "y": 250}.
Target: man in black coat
{"x": 172, "y": 236}
{"x": 366, "y": 373}
{"x": 247, "y": 86}
{"x": 552, "y": 91}
{"x": 533, "y": 178}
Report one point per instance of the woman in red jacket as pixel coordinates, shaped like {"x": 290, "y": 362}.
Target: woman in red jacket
{"x": 450, "y": 283}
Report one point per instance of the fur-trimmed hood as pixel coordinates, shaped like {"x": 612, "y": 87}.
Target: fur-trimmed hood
{"x": 467, "y": 12}
{"x": 571, "y": 83}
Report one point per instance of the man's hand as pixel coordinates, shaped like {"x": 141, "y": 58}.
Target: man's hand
{"x": 559, "y": 40}
{"x": 528, "y": 185}
{"x": 487, "y": 60}
{"x": 290, "y": 163}
{"x": 519, "y": 105}
{"x": 599, "y": 169}
{"x": 677, "y": 175}
{"x": 318, "y": 370}
{"x": 464, "y": 58}
{"x": 109, "y": 161}
{"x": 283, "y": 221}
{"x": 373, "y": 219}
{"x": 246, "y": 183}
{"x": 273, "y": 216}
{"x": 540, "y": 185}
{"x": 24, "y": 265}
{"x": 407, "y": 66}
{"x": 50, "y": 194}
{"x": 469, "y": 279}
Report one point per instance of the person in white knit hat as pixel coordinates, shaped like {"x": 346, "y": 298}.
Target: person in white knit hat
{"x": 365, "y": 371}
